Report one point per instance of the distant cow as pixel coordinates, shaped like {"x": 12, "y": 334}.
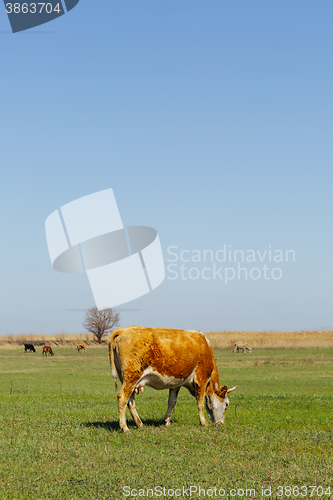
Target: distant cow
{"x": 242, "y": 346}
{"x": 81, "y": 347}
{"x": 166, "y": 359}
{"x": 47, "y": 350}
{"x": 29, "y": 347}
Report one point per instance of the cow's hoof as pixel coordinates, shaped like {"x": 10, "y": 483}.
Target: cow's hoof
{"x": 126, "y": 429}
{"x": 167, "y": 423}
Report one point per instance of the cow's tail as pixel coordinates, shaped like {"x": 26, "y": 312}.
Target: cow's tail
{"x": 112, "y": 340}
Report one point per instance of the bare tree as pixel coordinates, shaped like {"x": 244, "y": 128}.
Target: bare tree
{"x": 100, "y": 322}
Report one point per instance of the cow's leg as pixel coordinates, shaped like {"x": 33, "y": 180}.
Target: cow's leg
{"x": 200, "y": 397}
{"x": 132, "y": 409}
{"x": 123, "y": 397}
{"x": 173, "y": 394}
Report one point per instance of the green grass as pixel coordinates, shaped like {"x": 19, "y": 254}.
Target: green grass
{"x": 59, "y": 434}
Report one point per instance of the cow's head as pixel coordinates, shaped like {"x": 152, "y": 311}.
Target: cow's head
{"x": 216, "y": 402}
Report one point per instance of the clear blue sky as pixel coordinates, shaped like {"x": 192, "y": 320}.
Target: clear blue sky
{"x": 212, "y": 123}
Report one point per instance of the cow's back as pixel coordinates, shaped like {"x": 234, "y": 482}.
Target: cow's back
{"x": 170, "y": 352}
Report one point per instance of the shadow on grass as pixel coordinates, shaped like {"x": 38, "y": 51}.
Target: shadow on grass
{"x": 114, "y": 425}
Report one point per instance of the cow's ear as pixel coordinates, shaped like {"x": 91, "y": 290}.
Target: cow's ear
{"x": 223, "y": 391}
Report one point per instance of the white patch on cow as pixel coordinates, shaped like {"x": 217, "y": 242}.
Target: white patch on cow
{"x": 216, "y": 386}
{"x": 208, "y": 341}
{"x": 154, "y": 379}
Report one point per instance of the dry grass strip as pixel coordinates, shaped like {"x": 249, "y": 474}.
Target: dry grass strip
{"x": 224, "y": 340}
{"x": 57, "y": 339}
{"x": 297, "y": 339}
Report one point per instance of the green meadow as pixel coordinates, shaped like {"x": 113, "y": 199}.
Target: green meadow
{"x": 60, "y": 439}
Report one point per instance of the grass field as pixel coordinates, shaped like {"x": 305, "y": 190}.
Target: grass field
{"x": 59, "y": 434}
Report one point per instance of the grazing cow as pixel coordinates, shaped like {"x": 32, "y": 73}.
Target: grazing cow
{"x": 47, "y": 350}
{"x": 81, "y": 347}
{"x": 29, "y": 347}
{"x": 242, "y": 346}
{"x": 166, "y": 359}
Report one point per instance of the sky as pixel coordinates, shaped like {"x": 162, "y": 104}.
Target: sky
{"x": 211, "y": 122}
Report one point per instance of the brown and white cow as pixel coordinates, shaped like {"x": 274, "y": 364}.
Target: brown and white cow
{"x": 166, "y": 359}
{"x": 242, "y": 346}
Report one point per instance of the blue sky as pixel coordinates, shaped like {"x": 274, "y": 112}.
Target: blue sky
{"x": 211, "y": 122}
